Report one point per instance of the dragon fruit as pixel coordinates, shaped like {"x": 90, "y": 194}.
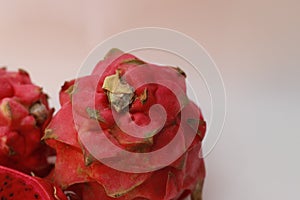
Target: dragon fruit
{"x": 116, "y": 103}
{"x": 18, "y": 186}
{"x": 24, "y": 114}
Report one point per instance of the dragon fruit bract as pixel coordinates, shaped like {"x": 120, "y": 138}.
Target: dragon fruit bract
{"x": 120, "y": 98}
{"x": 18, "y": 186}
{"x": 24, "y": 113}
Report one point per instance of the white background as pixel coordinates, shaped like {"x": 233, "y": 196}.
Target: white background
{"x": 254, "y": 43}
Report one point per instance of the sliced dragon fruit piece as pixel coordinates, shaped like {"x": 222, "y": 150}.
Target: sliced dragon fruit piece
{"x": 18, "y": 186}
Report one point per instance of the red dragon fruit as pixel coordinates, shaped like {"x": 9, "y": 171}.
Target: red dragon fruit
{"x": 18, "y": 186}
{"x": 24, "y": 113}
{"x": 116, "y": 103}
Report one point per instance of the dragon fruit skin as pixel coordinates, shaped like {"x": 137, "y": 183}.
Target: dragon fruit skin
{"x": 77, "y": 169}
{"x": 24, "y": 114}
{"x": 18, "y": 186}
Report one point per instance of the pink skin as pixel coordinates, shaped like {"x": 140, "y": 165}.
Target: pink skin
{"x": 93, "y": 179}
{"x": 24, "y": 113}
